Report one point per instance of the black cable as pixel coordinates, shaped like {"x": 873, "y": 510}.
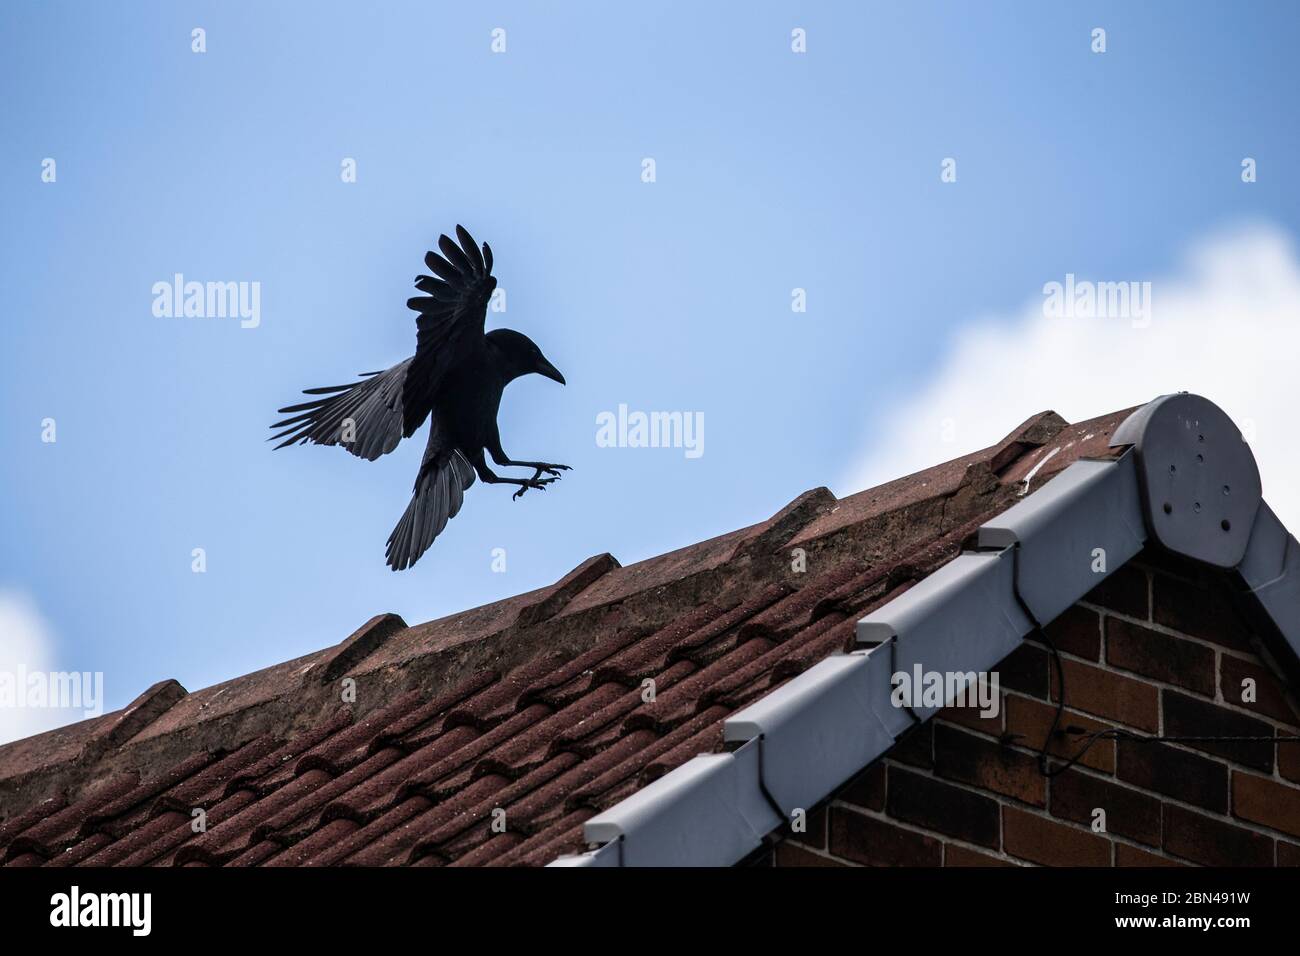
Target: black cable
{"x": 762, "y": 786}
{"x": 1045, "y": 768}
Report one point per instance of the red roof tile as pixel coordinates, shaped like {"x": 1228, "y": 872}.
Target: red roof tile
{"x": 490, "y": 736}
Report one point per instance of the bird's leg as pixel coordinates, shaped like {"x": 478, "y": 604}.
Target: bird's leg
{"x": 501, "y": 458}
{"x": 548, "y": 467}
{"x": 489, "y": 477}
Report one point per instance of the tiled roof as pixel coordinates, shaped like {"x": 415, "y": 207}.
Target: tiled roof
{"x": 536, "y": 706}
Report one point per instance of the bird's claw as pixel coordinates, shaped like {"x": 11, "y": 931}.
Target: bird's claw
{"x": 549, "y": 469}
{"x": 534, "y": 482}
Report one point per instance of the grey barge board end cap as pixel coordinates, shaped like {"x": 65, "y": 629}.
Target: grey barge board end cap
{"x": 1081, "y": 525}
{"x": 1200, "y": 484}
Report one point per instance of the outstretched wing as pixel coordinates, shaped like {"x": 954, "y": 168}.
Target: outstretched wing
{"x": 452, "y": 311}
{"x": 367, "y": 418}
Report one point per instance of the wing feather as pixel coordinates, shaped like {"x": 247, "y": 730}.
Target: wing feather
{"x": 471, "y": 250}
{"x": 452, "y": 314}
{"x": 374, "y": 406}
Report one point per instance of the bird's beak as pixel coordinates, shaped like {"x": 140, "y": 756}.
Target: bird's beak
{"x": 548, "y": 370}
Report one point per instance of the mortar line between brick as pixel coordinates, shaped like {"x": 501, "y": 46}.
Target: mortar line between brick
{"x": 1152, "y": 625}
{"x": 1002, "y": 800}
{"x": 1165, "y": 685}
{"x": 884, "y": 817}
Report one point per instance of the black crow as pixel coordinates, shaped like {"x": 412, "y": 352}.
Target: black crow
{"x": 455, "y": 378}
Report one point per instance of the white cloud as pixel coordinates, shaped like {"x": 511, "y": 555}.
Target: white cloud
{"x": 26, "y": 644}
{"x": 1225, "y": 325}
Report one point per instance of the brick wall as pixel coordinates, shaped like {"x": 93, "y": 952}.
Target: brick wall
{"x": 1155, "y": 649}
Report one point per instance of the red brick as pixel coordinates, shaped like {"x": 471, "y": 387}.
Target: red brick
{"x": 1030, "y": 720}
{"x": 1025, "y": 670}
{"x": 1113, "y": 696}
{"x": 792, "y": 854}
{"x": 1270, "y": 699}
{"x": 1288, "y": 759}
{"x": 1175, "y": 773}
{"x": 1201, "y": 610}
{"x": 986, "y": 764}
{"x": 867, "y": 789}
{"x": 1044, "y": 841}
{"x": 1126, "y": 855}
{"x": 915, "y": 747}
{"x": 1129, "y": 813}
{"x": 875, "y": 842}
{"x": 1077, "y": 632}
{"x": 971, "y": 717}
{"x": 1124, "y": 591}
{"x": 1173, "y": 660}
{"x": 1266, "y": 802}
{"x": 935, "y": 805}
{"x": 954, "y": 854}
{"x": 1188, "y": 717}
{"x": 1202, "y": 839}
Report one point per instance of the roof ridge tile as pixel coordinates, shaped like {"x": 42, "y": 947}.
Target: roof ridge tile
{"x": 786, "y": 523}
{"x": 354, "y": 648}
{"x": 133, "y": 718}
{"x": 566, "y": 589}
{"x": 1034, "y": 431}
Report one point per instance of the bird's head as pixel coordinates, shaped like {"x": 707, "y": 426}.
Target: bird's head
{"x": 521, "y": 355}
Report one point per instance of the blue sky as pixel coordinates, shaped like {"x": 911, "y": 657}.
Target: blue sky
{"x": 774, "y": 171}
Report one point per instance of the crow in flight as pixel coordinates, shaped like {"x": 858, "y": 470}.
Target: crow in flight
{"x": 455, "y": 379}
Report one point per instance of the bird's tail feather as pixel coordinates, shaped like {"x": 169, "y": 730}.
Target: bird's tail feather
{"x": 439, "y": 491}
